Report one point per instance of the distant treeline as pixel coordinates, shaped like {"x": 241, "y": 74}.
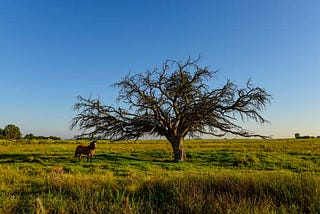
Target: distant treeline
{"x": 298, "y": 136}
{"x": 13, "y": 132}
{"x": 33, "y": 137}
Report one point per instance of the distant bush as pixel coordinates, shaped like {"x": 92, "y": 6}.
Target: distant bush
{"x": 297, "y": 136}
{"x": 11, "y": 132}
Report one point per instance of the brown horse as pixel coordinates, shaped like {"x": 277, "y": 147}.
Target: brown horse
{"x": 86, "y": 150}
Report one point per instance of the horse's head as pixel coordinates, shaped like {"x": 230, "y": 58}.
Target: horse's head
{"x": 93, "y": 144}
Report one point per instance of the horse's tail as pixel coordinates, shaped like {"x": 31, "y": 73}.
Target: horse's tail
{"x": 76, "y": 153}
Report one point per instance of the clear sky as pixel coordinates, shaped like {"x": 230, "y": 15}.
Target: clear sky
{"x": 53, "y": 51}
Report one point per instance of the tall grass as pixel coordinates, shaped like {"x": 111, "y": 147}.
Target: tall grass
{"x": 234, "y": 193}
{"x": 225, "y": 192}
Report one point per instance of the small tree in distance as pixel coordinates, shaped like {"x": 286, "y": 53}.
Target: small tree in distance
{"x": 12, "y": 132}
{"x": 173, "y": 101}
{"x": 1, "y": 134}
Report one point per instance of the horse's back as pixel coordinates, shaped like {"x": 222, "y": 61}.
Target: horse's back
{"x": 82, "y": 149}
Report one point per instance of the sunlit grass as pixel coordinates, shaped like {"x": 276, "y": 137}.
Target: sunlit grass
{"x": 235, "y": 176}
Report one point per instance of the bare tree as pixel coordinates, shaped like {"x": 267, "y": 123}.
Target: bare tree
{"x": 173, "y": 101}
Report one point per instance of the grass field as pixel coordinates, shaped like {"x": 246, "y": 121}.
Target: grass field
{"x": 220, "y": 176}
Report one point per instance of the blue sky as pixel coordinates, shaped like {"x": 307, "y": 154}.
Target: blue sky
{"x": 53, "y": 51}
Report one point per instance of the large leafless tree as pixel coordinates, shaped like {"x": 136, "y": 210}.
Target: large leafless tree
{"x": 173, "y": 101}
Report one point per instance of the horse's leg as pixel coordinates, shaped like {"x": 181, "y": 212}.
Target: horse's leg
{"x": 89, "y": 157}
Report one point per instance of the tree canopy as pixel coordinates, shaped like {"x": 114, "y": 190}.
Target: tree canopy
{"x": 173, "y": 101}
{"x": 12, "y": 132}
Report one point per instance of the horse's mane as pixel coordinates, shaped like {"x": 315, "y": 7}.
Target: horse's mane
{"x": 92, "y": 145}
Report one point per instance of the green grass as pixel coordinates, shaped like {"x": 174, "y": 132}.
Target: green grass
{"x": 220, "y": 176}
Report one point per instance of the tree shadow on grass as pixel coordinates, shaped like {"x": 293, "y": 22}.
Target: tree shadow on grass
{"x": 128, "y": 158}
{"x": 34, "y": 158}
{"x": 52, "y": 159}
{"x": 114, "y": 157}
{"x": 122, "y": 164}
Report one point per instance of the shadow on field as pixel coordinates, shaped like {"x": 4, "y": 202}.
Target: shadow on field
{"x": 35, "y": 158}
{"x": 51, "y": 159}
{"x": 128, "y": 157}
{"x": 114, "y": 157}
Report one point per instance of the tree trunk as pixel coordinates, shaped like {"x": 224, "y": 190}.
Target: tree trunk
{"x": 178, "y": 148}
